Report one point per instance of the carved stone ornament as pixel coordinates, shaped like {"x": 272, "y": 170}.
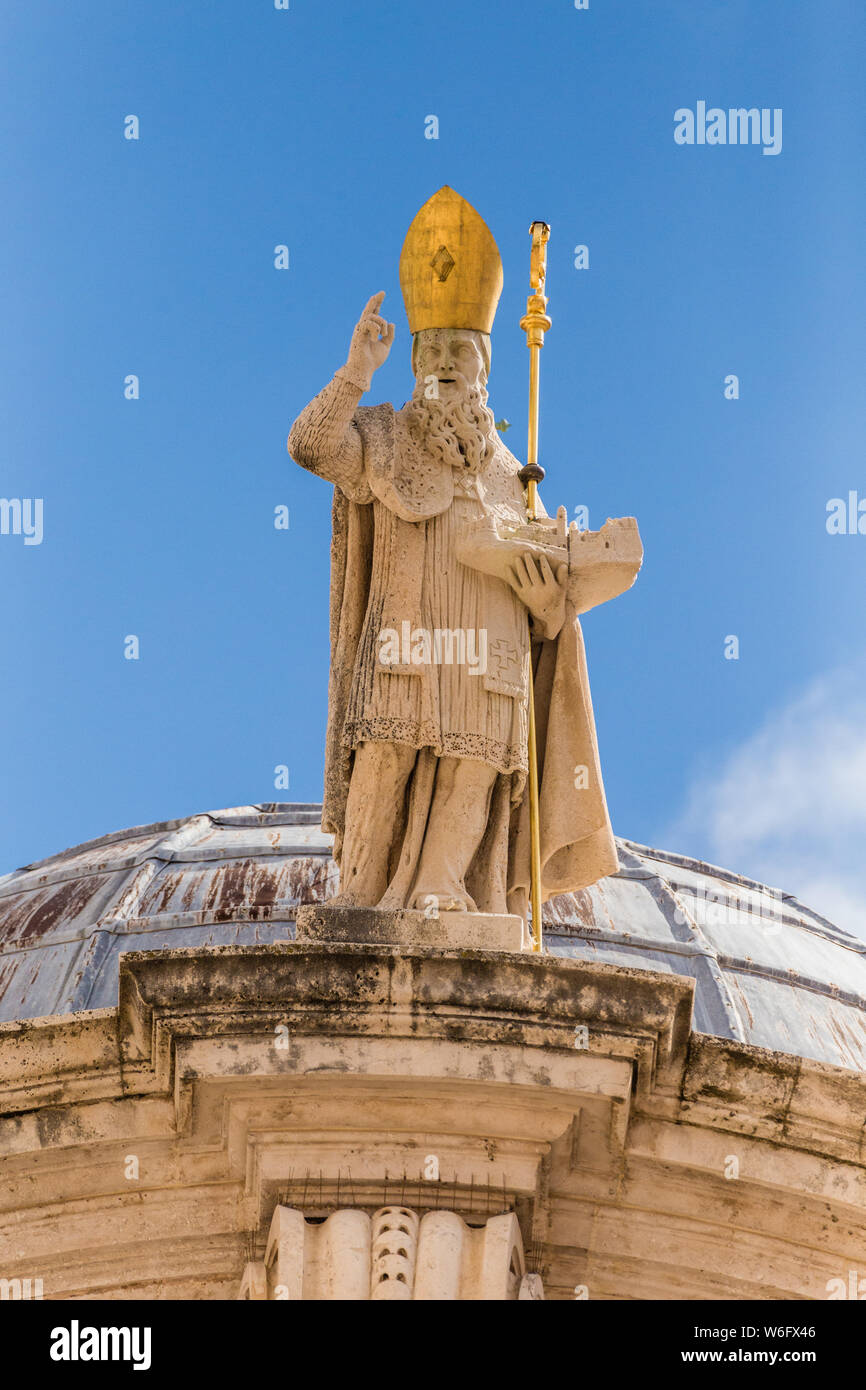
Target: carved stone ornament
{"x": 393, "y": 1255}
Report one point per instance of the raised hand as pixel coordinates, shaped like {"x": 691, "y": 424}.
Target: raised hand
{"x": 371, "y": 342}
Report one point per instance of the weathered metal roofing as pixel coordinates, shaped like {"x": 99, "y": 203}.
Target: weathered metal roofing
{"x": 767, "y": 970}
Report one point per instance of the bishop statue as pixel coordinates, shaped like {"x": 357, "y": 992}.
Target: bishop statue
{"x": 441, "y": 597}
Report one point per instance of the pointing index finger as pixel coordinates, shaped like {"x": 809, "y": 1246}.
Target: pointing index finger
{"x": 373, "y": 303}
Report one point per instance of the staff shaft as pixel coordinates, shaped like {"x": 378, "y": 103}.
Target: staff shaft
{"x": 532, "y": 444}
{"x": 534, "y": 821}
{"x": 535, "y": 323}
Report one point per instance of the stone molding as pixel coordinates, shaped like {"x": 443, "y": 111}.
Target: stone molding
{"x": 569, "y": 1088}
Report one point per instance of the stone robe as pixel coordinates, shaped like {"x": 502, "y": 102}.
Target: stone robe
{"x": 398, "y": 514}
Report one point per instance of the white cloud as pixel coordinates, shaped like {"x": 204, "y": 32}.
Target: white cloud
{"x": 788, "y": 806}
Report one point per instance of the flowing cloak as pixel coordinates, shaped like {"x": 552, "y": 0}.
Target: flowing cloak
{"x": 577, "y": 843}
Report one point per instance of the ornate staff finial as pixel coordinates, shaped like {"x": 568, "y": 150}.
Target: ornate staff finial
{"x": 535, "y": 324}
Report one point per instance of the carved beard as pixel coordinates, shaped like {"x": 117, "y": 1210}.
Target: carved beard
{"x": 460, "y": 432}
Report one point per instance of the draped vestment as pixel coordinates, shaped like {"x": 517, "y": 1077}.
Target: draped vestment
{"x": 398, "y": 514}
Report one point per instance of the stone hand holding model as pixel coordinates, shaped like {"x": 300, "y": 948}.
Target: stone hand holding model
{"x": 590, "y": 567}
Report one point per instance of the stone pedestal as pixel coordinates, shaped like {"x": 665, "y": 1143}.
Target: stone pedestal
{"x": 471, "y": 931}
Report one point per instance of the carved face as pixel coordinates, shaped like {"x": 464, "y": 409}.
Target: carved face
{"x": 458, "y": 357}
{"x": 448, "y": 412}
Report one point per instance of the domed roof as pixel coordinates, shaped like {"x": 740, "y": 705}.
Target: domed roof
{"x": 767, "y": 970}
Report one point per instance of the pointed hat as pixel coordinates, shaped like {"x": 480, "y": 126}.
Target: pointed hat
{"x": 450, "y": 267}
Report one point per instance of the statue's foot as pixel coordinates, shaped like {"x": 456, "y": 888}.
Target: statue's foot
{"x": 447, "y": 901}
{"x": 348, "y": 899}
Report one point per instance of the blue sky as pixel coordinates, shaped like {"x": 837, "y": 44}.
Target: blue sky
{"x": 260, "y": 127}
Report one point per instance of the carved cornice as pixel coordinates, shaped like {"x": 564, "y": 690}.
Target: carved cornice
{"x": 170, "y": 1000}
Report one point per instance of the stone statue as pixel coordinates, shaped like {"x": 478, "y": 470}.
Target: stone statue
{"x": 438, "y": 603}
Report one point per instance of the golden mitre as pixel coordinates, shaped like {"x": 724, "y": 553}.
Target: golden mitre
{"x": 450, "y": 267}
